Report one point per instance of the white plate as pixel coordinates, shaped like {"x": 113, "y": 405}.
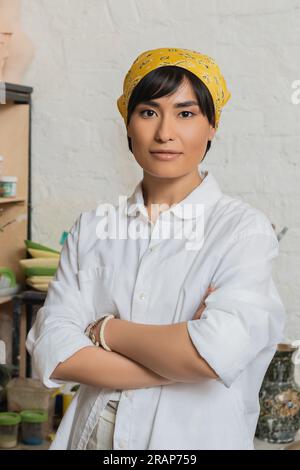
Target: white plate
{"x": 10, "y": 290}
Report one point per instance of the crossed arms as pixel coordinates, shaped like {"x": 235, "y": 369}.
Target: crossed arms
{"x": 141, "y": 356}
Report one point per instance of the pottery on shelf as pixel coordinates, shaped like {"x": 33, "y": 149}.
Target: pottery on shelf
{"x": 279, "y": 399}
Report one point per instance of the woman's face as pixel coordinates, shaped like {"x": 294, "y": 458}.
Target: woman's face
{"x": 163, "y": 125}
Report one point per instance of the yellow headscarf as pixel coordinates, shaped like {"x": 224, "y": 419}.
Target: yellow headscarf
{"x": 203, "y": 66}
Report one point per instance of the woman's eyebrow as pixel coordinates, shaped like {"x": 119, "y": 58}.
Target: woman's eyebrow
{"x": 184, "y": 104}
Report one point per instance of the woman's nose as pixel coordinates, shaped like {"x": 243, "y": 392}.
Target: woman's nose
{"x": 165, "y": 130}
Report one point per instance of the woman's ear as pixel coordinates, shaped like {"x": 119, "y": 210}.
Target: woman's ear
{"x": 211, "y": 134}
{"x": 128, "y": 131}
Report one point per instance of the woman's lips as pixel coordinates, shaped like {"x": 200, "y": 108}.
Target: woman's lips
{"x": 165, "y": 156}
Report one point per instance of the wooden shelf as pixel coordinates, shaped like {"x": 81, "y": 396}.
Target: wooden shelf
{"x": 15, "y": 212}
{"x": 5, "y": 300}
{"x": 9, "y": 200}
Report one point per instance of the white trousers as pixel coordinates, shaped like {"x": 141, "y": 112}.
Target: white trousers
{"x": 103, "y": 433}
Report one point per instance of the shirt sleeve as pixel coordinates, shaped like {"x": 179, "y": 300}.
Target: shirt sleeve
{"x": 244, "y": 314}
{"x": 58, "y": 331}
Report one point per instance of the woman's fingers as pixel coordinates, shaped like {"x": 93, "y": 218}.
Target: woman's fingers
{"x": 199, "y": 313}
{"x": 207, "y": 292}
{"x": 202, "y": 305}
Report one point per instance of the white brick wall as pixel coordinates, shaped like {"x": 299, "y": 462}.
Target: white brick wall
{"x": 80, "y": 157}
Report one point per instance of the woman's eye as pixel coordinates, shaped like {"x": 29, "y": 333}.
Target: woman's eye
{"x": 146, "y": 111}
{"x": 189, "y": 112}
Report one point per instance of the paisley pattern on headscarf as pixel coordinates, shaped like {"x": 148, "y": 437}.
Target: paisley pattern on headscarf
{"x": 203, "y": 66}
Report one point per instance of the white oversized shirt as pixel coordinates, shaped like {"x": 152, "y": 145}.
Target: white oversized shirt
{"x": 157, "y": 280}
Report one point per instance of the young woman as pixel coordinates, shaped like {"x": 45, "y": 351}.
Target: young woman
{"x": 165, "y": 370}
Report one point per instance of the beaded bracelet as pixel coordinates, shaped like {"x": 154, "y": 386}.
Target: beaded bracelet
{"x": 101, "y": 335}
{"x": 90, "y": 331}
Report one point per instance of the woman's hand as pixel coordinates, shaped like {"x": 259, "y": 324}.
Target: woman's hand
{"x": 202, "y": 305}
{"x": 196, "y": 316}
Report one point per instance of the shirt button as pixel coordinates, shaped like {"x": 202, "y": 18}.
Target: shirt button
{"x": 128, "y": 393}
{"x": 142, "y": 296}
{"x": 122, "y": 444}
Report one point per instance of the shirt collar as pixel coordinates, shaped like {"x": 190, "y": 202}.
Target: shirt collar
{"x": 206, "y": 193}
